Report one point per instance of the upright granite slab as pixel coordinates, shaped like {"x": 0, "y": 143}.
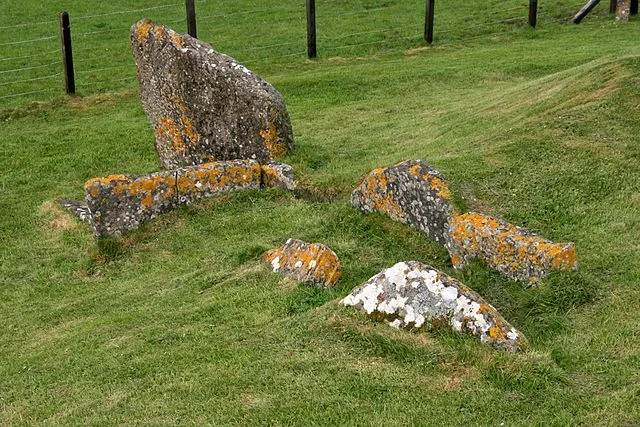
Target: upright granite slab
{"x": 307, "y": 262}
{"x": 414, "y": 295}
{"x": 119, "y": 203}
{"x": 513, "y": 251}
{"x": 203, "y": 105}
{"x": 410, "y": 192}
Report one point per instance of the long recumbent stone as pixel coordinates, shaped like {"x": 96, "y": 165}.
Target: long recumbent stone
{"x": 120, "y": 203}
{"x": 203, "y": 105}
{"x": 414, "y": 295}
{"x": 410, "y": 192}
{"x": 307, "y": 262}
{"x": 513, "y": 251}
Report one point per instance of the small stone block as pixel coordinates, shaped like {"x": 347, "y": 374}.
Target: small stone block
{"x": 278, "y": 175}
{"x": 513, "y": 251}
{"x": 410, "y": 192}
{"x": 306, "y": 262}
{"x": 415, "y": 295}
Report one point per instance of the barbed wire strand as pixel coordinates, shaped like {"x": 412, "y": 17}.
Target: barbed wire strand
{"x": 30, "y": 68}
{"x": 50, "y": 76}
{"x": 28, "y": 41}
{"x": 13, "y": 95}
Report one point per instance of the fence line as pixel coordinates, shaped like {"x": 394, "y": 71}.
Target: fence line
{"x": 452, "y": 33}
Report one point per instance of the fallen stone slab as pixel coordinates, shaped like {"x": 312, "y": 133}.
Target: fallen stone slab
{"x": 415, "y": 295}
{"x": 306, "y": 262}
{"x": 513, "y": 251}
{"x": 410, "y": 192}
{"x": 119, "y": 203}
{"x": 77, "y": 208}
{"x": 203, "y": 105}
{"x": 278, "y": 175}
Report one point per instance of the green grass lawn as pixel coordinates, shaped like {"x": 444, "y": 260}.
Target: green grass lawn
{"x": 180, "y": 323}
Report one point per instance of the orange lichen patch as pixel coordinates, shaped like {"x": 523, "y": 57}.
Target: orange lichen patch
{"x": 313, "y": 262}
{"x": 177, "y": 40}
{"x": 217, "y": 177}
{"x": 158, "y": 31}
{"x": 376, "y": 190}
{"x": 272, "y": 141}
{"x": 511, "y": 250}
{"x": 439, "y": 186}
{"x": 180, "y": 133}
{"x": 143, "y": 29}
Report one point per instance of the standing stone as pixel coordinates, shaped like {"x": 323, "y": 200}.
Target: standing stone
{"x": 410, "y": 192}
{"x": 414, "y": 295}
{"x": 203, "y": 105}
{"x": 513, "y": 251}
{"x": 623, "y": 8}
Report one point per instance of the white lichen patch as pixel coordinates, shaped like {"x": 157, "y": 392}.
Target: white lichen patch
{"x": 412, "y": 295}
{"x": 275, "y": 264}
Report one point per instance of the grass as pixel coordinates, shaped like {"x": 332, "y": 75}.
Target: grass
{"x": 179, "y": 322}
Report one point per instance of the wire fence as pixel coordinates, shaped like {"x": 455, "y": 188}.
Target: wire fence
{"x": 272, "y": 35}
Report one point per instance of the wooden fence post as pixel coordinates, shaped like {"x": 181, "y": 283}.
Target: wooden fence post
{"x": 533, "y": 13}
{"x": 428, "y": 21}
{"x": 634, "y": 7}
{"x": 585, "y": 10}
{"x": 613, "y": 4}
{"x": 67, "y": 55}
{"x": 311, "y": 29}
{"x": 191, "y": 18}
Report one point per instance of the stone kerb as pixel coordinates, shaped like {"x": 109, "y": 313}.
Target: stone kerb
{"x": 513, "y": 251}
{"x": 119, "y": 203}
{"x": 306, "y": 262}
{"x": 414, "y": 295}
{"x": 410, "y": 192}
{"x": 203, "y": 105}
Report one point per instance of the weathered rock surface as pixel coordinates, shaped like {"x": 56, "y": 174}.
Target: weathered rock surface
{"x": 306, "y": 262}
{"x": 203, "y": 105}
{"x": 121, "y": 202}
{"x": 77, "y": 208}
{"x": 410, "y": 192}
{"x": 278, "y": 175}
{"x": 414, "y": 295}
{"x": 513, "y": 251}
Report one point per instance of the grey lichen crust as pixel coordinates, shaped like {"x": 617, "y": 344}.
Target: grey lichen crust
{"x": 414, "y": 295}
{"x": 410, "y": 192}
{"x": 278, "y": 175}
{"x": 203, "y": 105}
{"x": 120, "y": 203}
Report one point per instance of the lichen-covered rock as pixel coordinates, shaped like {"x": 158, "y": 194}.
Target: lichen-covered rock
{"x": 307, "y": 262}
{"x": 203, "y": 105}
{"x": 278, "y": 175}
{"x": 120, "y": 203}
{"x": 513, "y": 251}
{"x": 77, "y": 208}
{"x": 410, "y": 192}
{"x": 413, "y": 295}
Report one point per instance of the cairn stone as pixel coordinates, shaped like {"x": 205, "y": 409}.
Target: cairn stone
{"x": 119, "y": 203}
{"x": 410, "y": 192}
{"x": 203, "y": 105}
{"x": 414, "y": 295}
{"x": 513, "y": 251}
{"x": 306, "y": 262}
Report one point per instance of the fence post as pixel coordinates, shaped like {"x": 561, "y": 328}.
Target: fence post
{"x": 67, "y": 55}
{"x": 634, "y": 7}
{"x": 191, "y": 18}
{"x": 533, "y": 13}
{"x": 428, "y": 21}
{"x": 311, "y": 29}
{"x": 613, "y": 4}
{"x": 584, "y": 11}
